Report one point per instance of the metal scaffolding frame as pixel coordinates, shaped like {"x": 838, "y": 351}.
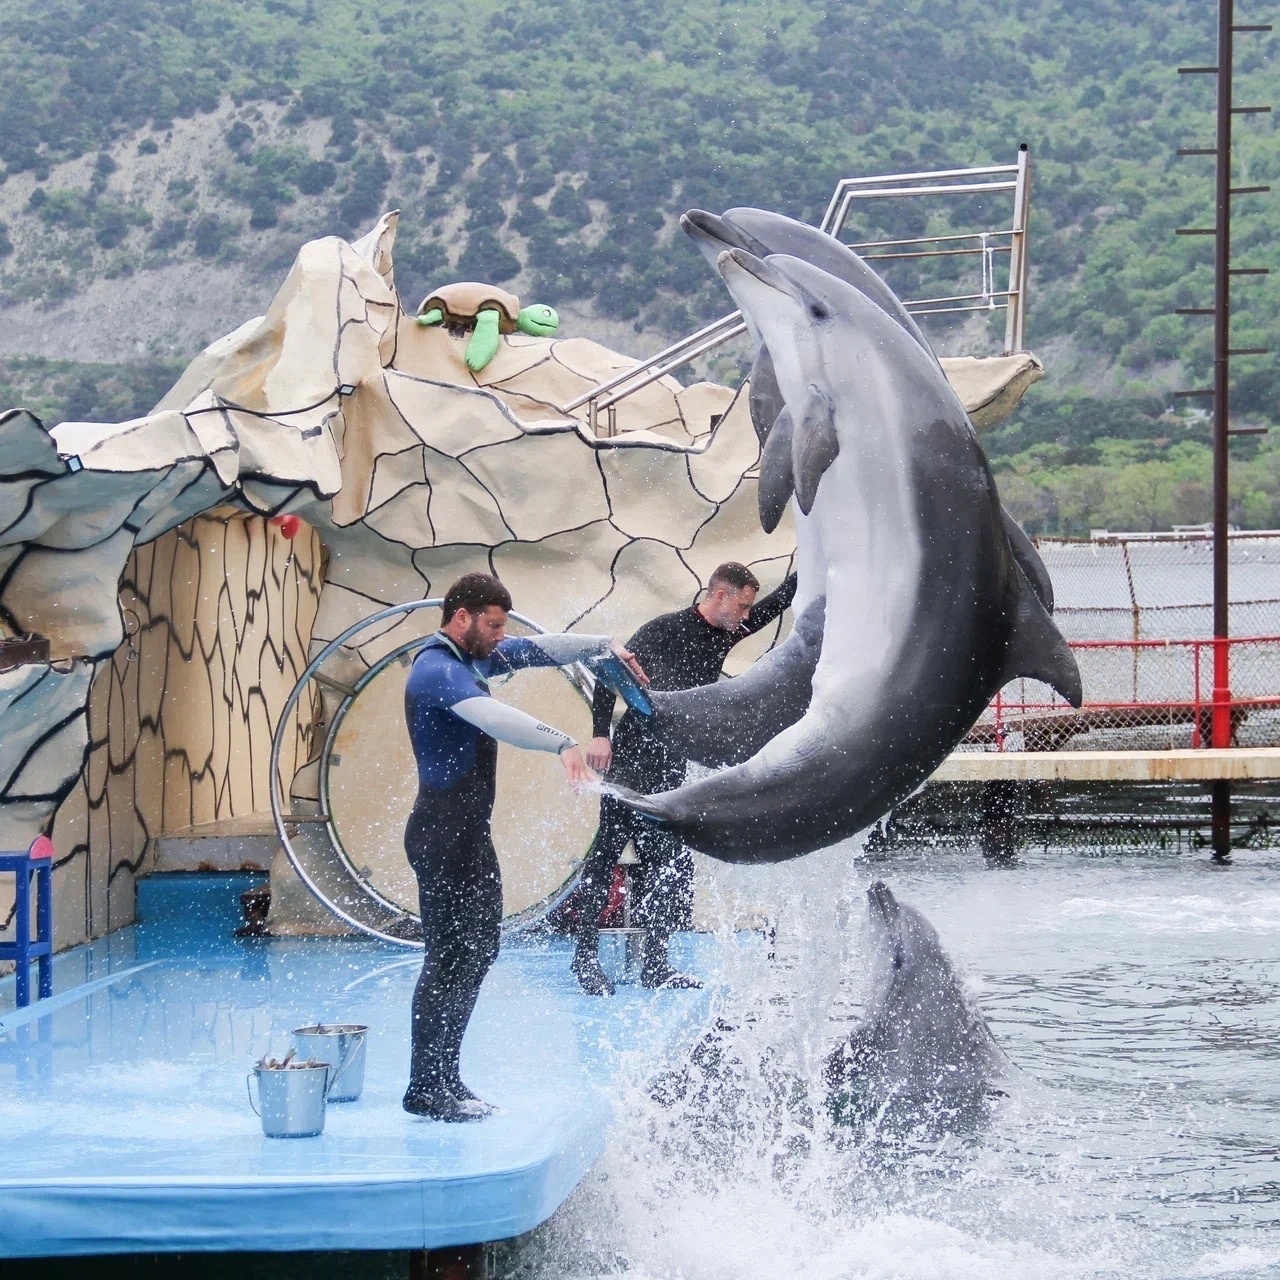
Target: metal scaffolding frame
{"x": 986, "y": 244}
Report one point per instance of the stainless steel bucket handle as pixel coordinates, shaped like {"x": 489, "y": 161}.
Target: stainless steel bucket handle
{"x": 330, "y": 1081}
{"x": 249, "y": 1091}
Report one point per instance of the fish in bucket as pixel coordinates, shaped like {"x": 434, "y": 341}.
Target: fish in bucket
{"x": 291, "y": 1095}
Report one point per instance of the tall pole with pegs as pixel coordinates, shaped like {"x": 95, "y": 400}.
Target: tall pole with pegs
{"x": 1223, "y": 272}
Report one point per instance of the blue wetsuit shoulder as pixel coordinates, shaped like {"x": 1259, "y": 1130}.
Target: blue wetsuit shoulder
{"x": 444, "y": 745}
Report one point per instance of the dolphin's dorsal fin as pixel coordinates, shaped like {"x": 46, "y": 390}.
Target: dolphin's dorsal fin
{"x": 814, "y": 447}
{"x": 1036, "y": 647}
{"x": 1025, "y": 553}
{"x": 776, "y": 483}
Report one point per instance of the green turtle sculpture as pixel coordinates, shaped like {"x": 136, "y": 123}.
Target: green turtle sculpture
{"x": 489, "y": 312}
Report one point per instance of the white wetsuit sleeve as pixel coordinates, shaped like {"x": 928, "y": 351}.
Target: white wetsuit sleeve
{"x": 508, "y": 724}
{"x": 566, "y": 646}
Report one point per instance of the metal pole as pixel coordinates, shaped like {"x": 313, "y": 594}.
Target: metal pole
{"x": 1221, "y": 736}
{"x": 1015, "y": 317}
{"x": 1221, "y": 723}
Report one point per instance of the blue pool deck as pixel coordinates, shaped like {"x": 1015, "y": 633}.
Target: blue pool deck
{"x": 125, "y": 1122}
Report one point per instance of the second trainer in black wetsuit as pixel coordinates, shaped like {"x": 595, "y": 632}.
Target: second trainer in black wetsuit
{"x": 680, "y": 650}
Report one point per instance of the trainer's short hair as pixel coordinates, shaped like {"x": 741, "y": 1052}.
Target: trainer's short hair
{"x": 474, "y": 592}
{"x": 735, "y": 575}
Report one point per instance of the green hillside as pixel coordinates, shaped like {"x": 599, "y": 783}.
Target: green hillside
{"x": 553, "y": 146}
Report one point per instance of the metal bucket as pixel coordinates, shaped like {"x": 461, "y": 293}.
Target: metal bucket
{"x": 621, "y": 955}
{"x": 341, "y": 1045}
{"x": 292, "y": 1099}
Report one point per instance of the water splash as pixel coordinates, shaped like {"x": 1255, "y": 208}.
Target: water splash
{"x": 1127, "y": 1147}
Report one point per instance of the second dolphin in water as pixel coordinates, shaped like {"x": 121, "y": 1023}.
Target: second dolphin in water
{"x": 922, "y": 1059}
{"x": 927, "y": 611}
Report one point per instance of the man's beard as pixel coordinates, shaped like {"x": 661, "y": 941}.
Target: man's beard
{"x": 476, "y": 643}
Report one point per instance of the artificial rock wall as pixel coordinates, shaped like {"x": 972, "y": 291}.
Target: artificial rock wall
{"x": 218, "y": 615}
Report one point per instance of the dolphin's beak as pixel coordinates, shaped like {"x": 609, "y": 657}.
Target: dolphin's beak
{"x": 702, "y": 226}
{"x": 745, "y": 268}
{"x": 881, "y": 902}
{"x": 737, "y": 264}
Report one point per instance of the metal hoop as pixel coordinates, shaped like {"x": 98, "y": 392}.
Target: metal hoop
{"x": 393, "y": 922}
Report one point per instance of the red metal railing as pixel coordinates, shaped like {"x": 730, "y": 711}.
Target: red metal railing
{"x": 1173, "y": 685}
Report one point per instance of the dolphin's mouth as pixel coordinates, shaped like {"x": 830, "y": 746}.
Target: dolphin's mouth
{"x": 881, "y": 902}
{"x": 763, "y": 271}
{"x": 756, "y": 267}
{"x": 700, "y": 224}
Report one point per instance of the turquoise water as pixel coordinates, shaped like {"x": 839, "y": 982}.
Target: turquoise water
{"x": 1138, "y": 999}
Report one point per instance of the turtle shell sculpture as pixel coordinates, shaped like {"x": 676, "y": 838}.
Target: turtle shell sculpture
{"x": 489, "y": 312}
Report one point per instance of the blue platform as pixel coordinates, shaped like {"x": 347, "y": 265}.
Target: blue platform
{"x": 125, "y": 1122}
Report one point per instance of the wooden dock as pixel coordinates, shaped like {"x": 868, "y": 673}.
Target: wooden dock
{"x": 1203, "y": 764}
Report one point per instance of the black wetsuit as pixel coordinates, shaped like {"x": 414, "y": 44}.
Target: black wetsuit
{"x": 678, "y": 650}
{"x": 450, "y": 848}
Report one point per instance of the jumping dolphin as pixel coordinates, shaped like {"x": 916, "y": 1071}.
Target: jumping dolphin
{"x": 928, "y": 613}
{"x": 728, "y": 722}
{"x": 922, "y": 1057}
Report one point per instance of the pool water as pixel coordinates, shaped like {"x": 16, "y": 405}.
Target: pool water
{"x": 1137, "y": 997}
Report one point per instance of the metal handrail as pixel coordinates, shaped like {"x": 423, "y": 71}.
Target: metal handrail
{"x": 605, "y": 396}
{"x": 665, "y": 354}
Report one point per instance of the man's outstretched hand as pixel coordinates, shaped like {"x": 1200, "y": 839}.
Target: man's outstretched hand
{"x": 600, "y": 754}
{"x": 630, "y": 661}
{"x": 576, "y": 768}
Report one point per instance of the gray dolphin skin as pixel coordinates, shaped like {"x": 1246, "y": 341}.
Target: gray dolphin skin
{"x": 761, "y": 233}
{"x": 927, "y": 610}
{"x": 922, "y": 1056}
{"x": 727, "y": 722}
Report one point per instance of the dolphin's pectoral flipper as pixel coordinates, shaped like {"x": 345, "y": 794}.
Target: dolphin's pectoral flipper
{"x": 1025, "y": 553}
{"x": 1036, "y": 647}
{"x": 776, "y": 481}
{"x": 814, "y": 446}
{"x": 765, "y": 397}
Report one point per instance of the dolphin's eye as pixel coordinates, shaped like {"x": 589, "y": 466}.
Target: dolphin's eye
{"x": 818, "y": 311}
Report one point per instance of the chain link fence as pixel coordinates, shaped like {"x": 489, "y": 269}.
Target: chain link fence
{"x": 1137, "y": 610}
{"x": 1005, "y": 819}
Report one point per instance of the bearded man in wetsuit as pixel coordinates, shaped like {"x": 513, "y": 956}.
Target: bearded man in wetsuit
{"x": 680, "y": 650}
{"x": 455, "y": 728}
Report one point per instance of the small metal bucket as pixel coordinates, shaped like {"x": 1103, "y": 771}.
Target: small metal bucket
{"x": 292, "y": 1098}
{"x": 621, "y": 955}
{"x": 341, "y": 1045}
